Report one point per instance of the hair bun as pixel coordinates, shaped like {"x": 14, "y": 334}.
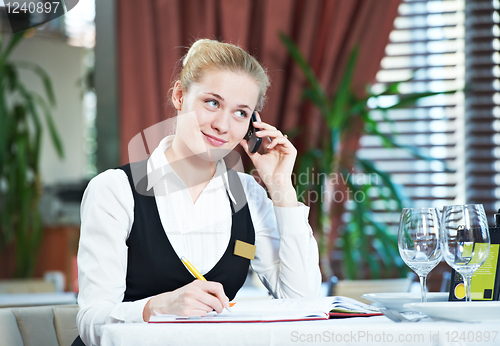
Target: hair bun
{"x": 195, "y": 47}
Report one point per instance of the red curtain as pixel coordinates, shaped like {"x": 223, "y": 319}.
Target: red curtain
{"x": 154, "y": 34}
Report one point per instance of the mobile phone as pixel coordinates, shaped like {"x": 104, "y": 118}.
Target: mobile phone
{"x": 253, "y": 141}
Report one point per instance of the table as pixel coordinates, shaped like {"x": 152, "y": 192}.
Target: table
{"x": 32, "y": 299}
{"x": 377, "y": 330}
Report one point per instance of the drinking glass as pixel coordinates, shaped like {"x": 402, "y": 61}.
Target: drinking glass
{"x": 418, "y": 242}
{"x": 466, "y": 240}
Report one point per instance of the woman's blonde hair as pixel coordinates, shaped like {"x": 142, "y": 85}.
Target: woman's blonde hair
{"x": 207, "y": 54}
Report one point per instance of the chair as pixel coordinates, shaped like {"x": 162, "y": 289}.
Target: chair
{"x": 41, "y": 325}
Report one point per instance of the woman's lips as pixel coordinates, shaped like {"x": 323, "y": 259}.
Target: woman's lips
{"x": 214, "y": 140}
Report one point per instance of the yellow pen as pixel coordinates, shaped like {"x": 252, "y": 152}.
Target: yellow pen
{"x": 192, "y": 269}
{"x": 196, "y": 273}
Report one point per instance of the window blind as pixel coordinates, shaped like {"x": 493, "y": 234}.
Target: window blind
{"x": 426, "y": 52}
{"x": 482, "y": 112}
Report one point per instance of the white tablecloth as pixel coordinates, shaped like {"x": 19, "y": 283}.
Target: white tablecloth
{"x": 377, "y": 330}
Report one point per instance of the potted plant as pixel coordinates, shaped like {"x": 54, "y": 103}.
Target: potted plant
{"x": 369, "y": 248}
{"x": 21, "y": 130}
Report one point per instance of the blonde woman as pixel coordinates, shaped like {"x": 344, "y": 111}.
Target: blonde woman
{"x": 132, "y": 240}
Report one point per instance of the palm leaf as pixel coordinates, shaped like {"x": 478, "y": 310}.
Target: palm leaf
{"x": 20, "y": 143}
{"x": 313, "y": 96}
{"x": 54, "y": 135}
{"x": 307, "y": 70}
{"x": 347, "y": 247}
{"x": 14, "y": 41}
{"x": 360, "y": 247}
{"x": 396, "y": 190}
{"x": 410, "y": 99}
{"x": 343, "y": 95}
{"x": 47, "y": 84}
{"x": 391, "y": 89}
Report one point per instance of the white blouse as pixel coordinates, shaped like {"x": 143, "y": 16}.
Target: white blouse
{"x": 286, "y": 258}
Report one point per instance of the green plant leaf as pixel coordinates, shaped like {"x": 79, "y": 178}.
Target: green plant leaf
{"x": 21, "y": 149}
{"x": 306, "y": 163}
{"x": 304, "y": 66}
{"x": 54, "y": 135}
{"x": 343, "y": 95}
{"x": 390, "y": 243}
{"x": 5, "y": 133}
{"x": 364, "y": 242}
{"x": 11, "y": 76}
{"x": 14, "y": 41}
{"x": 390, "y": 89}
{"x": 396, "y": 190}
{"x": 349, "y": 262}
{"x": 20, "y": 143}
{"x": 31, "y": 110}
{"x": 361, "y": 208}
{"x": 406, "y": 100}
{"x": 313, "y": 96}
{"x": 359, "y": 106}
{"x": 47, "y": 84}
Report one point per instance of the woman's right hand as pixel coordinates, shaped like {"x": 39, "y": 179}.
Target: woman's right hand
{"x": 194, "y": 299}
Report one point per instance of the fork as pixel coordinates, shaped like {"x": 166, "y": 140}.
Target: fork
{"x": 396, "y": 316}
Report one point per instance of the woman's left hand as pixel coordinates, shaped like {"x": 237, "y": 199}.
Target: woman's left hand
{"x": 275, "y": 166}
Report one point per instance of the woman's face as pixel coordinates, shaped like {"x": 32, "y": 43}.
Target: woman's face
{"x": 215, "y": 113}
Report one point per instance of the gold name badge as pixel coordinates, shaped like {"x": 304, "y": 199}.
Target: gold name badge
{"x": 244, "y": 250}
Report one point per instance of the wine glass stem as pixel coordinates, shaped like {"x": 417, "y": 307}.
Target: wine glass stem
{"x": 467, "y": 283}
{"x": 423, "y": 282}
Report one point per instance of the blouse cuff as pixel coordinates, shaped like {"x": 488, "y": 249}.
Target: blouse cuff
{"x": 292, "y": 221}
{"x": 131, "y": 311}
{"x": 137, "y": 310}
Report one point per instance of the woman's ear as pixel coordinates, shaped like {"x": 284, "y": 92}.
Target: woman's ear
{"x": 177, "y": 95}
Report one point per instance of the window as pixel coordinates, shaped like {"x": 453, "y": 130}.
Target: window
{"x": 443, "y": 46}
{"x": 482, "y": 111}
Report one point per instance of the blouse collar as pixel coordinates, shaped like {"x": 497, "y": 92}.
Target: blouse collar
{"x": 159, "y": 168}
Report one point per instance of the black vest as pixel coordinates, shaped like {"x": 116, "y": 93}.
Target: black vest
{"x": 154, "y": 267}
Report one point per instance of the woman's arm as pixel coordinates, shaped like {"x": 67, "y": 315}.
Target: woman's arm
{"x": 107, "y": 214}
{"x": 194, "y": 299}
{"x": 275, "y": 164}
{"x": 107, "y": 217}
{"x": 286, "y": 257}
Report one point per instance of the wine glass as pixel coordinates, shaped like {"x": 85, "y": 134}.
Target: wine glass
{"x": 466, "y": 240}
{"x": 418, "y": 242}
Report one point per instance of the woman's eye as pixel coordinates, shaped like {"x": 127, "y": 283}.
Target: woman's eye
{"x": 241, "y": 114}
{"x": 213, "y": 103}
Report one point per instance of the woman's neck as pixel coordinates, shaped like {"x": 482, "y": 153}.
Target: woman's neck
{"x": 191, "y": 168}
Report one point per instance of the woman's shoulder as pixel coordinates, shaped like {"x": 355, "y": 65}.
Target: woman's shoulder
{"x": 110, "y": 189}
{"x": 112, "y": 175}
{"x": 248, "y": 180}
{"x": 259, "y": 204}
{"x": 253, "y": 190}
{"x": 112, "y": 179}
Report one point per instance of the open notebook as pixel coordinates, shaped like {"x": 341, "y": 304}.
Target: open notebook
{"x": 275, "y": 310}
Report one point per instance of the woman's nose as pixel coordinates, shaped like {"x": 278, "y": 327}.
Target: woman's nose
{"x": 220, "y": 122}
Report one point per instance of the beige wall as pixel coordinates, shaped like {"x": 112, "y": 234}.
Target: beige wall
{"x": 64, "y": 65}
